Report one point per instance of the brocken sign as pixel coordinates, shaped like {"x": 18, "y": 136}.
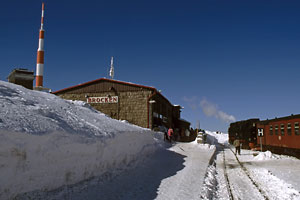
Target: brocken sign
{"x": 113, "y": 99}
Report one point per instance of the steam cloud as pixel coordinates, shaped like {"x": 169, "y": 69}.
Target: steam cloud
{"x": 209, "y": 109}
{"x": 212, "y": 110}
{"x": 192, "y": 102}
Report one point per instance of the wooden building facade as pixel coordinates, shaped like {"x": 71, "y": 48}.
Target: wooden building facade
{"x": 140, "y": 105}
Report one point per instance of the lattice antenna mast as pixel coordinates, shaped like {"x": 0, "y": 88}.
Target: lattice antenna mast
{"x": 112, "y": 71}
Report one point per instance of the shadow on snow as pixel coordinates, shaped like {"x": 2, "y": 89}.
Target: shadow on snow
{"x": 139, "y": 182}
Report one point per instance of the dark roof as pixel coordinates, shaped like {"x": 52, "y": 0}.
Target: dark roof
{"x": 245, "y": 121}
{"x": 183, "y": 120}
{"x": 281, "y": 118}
{"x": 113, "y": 81}
{"x": 20, "y": 71}
{"x": 99, "y": 80}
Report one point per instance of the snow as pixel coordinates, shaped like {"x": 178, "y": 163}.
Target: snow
{"x": 47, "y": 142}
{"x": 51, "y": 148}
{"x": 216, "y": 138}
{"x": 277, "y": 176}
{"x": 267, "y": 155}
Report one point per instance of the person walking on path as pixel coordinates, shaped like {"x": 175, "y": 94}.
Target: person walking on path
{"x": 236, "y": 143}
{"x": 170, "y": 134}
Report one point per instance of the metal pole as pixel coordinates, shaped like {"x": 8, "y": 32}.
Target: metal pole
{"x": 260, "y": 144}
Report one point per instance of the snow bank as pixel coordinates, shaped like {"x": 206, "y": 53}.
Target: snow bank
{"x": 212, "y": 139}
{"x": 279, "y": 189}
{"x": 203, "y": 146}
{"x": 267, "y": 155}
{"x": 39, "y": 113}
{"x": 47, "y": 142}
{"x": 215, "y": 138}
{"x": 207, "y": 146}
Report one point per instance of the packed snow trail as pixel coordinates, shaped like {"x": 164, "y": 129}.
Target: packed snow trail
{"x": 237, "y": 178}
{"x": 174, "y": 173}
{"x": 242, "y": 177}
{"x": 187, "y": 183}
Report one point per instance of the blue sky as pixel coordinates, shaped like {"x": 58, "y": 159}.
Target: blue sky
{"x": 221, "y": 60}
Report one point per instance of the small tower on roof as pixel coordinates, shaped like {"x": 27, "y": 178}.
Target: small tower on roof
{"x": 112, "y": 71}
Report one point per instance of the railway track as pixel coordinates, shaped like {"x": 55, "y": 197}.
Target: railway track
{"x": 232, "y": 187}
{"x": 226, "y": 177}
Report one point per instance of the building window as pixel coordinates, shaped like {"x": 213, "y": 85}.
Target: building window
{"x": 271, "y": 130}
{"x": 165, "y": 119}
{"x": 276, "y": 129}
{"x": 289, "y": 129}
{"x": 297, "y": 128}
{"x": 282, "y": 129}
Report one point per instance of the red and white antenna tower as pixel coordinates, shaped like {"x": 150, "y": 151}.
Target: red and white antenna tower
{"x": 40, "y": 54}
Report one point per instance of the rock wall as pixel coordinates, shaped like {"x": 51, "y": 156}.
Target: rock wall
{"x": 131, "y": 106}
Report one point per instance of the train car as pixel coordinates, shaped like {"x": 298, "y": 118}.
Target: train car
{"x": 281, "y": 135}
{"x": 245, "y": 131}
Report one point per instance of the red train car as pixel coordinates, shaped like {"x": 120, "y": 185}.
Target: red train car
{"x": 281, "y": 135}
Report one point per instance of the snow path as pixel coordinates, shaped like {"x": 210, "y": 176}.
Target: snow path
{"x": 275, "y": 177}
{"x": 240, "y": 184}
{"x": 187, "y": 183}
{"x": 223, "y": 190}
{"x": 175, "y": 173}
{"x": 241, "y": 187}
{"x": 286, "y": 169}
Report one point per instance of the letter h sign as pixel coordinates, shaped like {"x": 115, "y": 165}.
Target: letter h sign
{"x": 260, "y": 132}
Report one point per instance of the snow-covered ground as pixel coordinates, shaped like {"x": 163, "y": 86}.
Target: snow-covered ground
{"x": 252, "y": 175}
{"x": 51, "y": 148}
{"x": 56, "y": 149}
{"x": 176, "y": 172}
{"x": 215, "y": 138}
{"x": 47, "y": 142}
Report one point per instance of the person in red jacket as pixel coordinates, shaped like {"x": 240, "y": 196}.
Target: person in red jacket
{"x": 170, "y": 134}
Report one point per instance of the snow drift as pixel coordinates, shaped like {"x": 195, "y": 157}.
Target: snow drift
{"x": 216, "y": 138}
{"x": 267, "y": 155}
{"x": 47, "y": 142}
{"x": 212, "y": 139}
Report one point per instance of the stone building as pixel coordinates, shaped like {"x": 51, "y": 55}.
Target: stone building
{"x": 140, "y": 105}
{"x": 21, "y": 77}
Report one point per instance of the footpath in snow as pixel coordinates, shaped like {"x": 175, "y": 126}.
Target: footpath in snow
{"x": 176, "y": 172}
{"x": 253, "y": 175}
